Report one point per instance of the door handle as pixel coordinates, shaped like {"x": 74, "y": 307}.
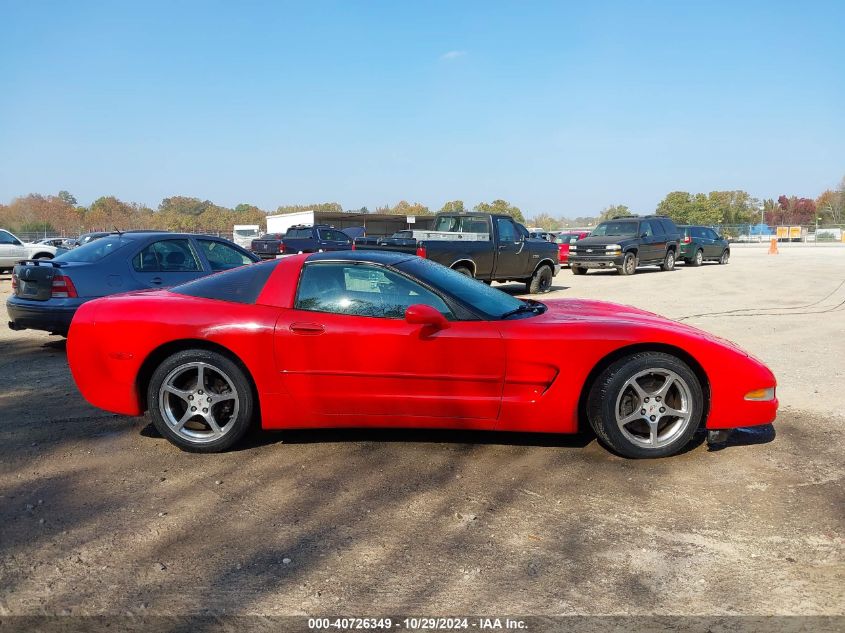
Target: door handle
{"x": 307, "y": 328}
{"x": 156, "y": 280}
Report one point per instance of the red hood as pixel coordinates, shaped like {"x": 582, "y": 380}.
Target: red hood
{"x": 577, "y": 309}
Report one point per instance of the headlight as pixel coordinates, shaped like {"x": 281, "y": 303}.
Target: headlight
{"x": 613, "y": 247}
{"x": 572, "y": 247}
{"x": 761, "y": 394}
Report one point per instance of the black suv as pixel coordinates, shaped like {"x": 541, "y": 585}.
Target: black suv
{"x": 626, "y": 244}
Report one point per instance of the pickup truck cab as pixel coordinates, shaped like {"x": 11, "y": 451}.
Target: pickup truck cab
{"x": 301, "y": 239}
{"x": 488, "y": 247}
{"x": 627, "y": 243}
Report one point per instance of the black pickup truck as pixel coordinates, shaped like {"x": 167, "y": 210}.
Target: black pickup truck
{"x": 301, "y": 239}
{"x": 486, "y": 246}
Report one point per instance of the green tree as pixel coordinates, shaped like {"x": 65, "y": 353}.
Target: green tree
{"x": 501, "y": 207}
{"x": 66, "y": 197}
{"x": 614, "y": 211}
{"x": 184, "y": 205}
{"x": 453, "y": 206}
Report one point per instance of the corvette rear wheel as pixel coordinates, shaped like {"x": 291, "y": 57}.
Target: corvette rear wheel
{"x": 200, "y": 400}
{"x": 646, "y": 405}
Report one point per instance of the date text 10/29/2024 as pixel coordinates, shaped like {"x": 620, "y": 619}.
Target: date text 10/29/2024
{"x": 416, "y": 624}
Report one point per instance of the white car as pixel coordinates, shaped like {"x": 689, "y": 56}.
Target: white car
{"x": 13, "y": 250}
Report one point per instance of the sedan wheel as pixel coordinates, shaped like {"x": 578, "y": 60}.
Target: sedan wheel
{"x": 200, "y": 400}
{"x": 646, "y": 405}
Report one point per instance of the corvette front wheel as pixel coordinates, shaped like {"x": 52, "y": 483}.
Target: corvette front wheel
{"x": 200, "y": 400}
{"x": 646, "y": 405}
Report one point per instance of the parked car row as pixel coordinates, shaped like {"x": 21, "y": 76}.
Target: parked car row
{"x": 628, "y": 243}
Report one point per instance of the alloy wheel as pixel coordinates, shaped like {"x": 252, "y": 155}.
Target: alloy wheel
{"x": 199, "y": 402}
{"x": 654, "y": 407}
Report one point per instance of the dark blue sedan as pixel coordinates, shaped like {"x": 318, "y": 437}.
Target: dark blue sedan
{"x": 48, "y": 292}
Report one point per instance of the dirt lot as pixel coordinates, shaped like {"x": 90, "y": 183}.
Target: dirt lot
{"x": 99, "y": 515}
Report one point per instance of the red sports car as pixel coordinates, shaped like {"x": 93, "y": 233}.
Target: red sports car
{"x": 381, "y": 339}
{"x": 563, "y": 240}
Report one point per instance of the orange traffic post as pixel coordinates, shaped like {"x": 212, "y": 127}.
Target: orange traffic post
{"x": 773, "y": 247}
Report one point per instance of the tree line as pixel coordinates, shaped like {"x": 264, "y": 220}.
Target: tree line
{"x": 60, "y": 213}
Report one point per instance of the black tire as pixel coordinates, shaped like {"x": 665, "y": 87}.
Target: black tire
{"x": 629, "y": 264}
{"x": 697, "y": 259}
{"x": 578, "y": 270}
{"x": 235, "y": 426}
{"x": 607, "y": 391}
{"x": 43, "y": 256}
{"x": 668, "y": 261}
{"x": 464, "y": 270}
{"x": 541, "y": 280}
{"x": 725, "y": 257}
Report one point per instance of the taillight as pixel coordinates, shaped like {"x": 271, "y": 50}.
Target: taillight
{"x": 281, "y": 247}
{"x": 687, "y": 239}
{"x": 421, "y": 250}
{"x": 353, "y": 246}
{"x": 63, "y": 288}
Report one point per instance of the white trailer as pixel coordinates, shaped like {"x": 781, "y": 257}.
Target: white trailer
{"x": 243, "y": 234}
{"x": 282, "y": 222}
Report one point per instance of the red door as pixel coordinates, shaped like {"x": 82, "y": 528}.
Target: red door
{"x": 349, "y": 370}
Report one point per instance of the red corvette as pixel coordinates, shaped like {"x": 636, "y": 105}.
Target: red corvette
{"x": 380, "y": 339}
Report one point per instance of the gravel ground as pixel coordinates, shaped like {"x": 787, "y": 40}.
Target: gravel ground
{"x": 98, "y": 515}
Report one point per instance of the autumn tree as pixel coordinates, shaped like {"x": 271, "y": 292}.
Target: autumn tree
{"x": 325, "y": 207}
{"x": 453, "y": 206}
{"x": 501, "y": 207}
{"x": 404, "y": 207}
{"x": 545, "y": 222}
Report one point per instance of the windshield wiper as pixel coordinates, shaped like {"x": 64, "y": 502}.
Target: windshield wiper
{"x": 525, "y": 307}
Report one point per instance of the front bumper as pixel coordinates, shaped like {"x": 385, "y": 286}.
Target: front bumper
{"x": 595, "y": 261}
{"x": 25, "y": 314}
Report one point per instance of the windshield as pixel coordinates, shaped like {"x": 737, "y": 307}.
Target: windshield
{"x": 566, "y": 238}
{"x": 96, "y": 250}
{"x": 246, "y": 232}
{"x": 626, "y": 229}
{"x": 490, "y": 302}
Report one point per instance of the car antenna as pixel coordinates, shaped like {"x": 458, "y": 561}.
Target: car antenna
{"x": 118, "y": 231}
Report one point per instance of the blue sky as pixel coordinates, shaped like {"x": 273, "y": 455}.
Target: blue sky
{"x": 557, "y": 107}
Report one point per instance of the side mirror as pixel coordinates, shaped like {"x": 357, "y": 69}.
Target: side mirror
{"x": 644, "y": 235}
{"x": 421, "y": 314}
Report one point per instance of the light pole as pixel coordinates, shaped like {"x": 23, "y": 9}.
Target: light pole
{"x": 816, "y": 235}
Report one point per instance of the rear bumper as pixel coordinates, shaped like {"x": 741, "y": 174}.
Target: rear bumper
{"x": 25, "y": 314}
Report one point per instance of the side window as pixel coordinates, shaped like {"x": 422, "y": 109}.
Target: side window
{"x": 507, "y": 230}
{"x": 657, "y": 227}
{"x": 713, "y": 235}
{"x": 334, "y": 236}
{"x": 361, "y": 290}
{"x": 221, "y": 256}
{"x": 7, "y": 238}
{"x": 645, "y": 229}
{"x": 166, "y": 256}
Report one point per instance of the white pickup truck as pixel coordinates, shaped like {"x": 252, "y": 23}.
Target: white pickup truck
{"x": 13, "y": 250}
